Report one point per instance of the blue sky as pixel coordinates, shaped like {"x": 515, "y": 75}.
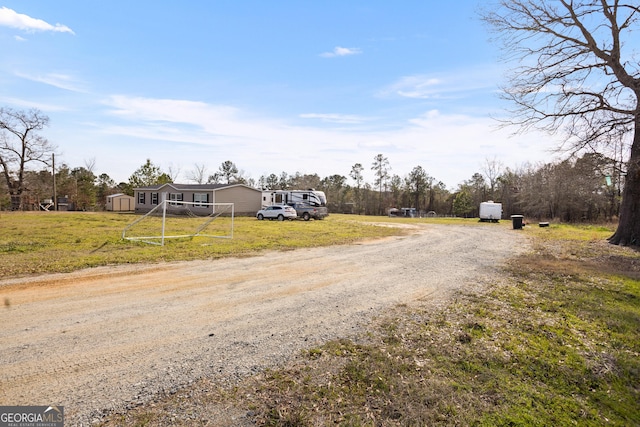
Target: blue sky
{"x": 293, "y": 86}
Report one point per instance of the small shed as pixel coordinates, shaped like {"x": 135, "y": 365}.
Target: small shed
{"x": 120, "y": 203}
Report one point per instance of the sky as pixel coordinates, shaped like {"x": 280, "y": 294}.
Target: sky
{"x": 310, "y": 87}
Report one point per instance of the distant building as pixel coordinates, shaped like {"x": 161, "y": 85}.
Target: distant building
{"x": 246, "y": 200}
{"x": 120, "y": 203}
{"x": 64, "y": 204}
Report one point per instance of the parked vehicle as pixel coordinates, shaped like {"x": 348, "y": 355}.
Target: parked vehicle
{"x": 490, "y": 211}
{"x": 279, "y": 212}
{"x": 307, "y": 203}
{"x": 288, "y": 197}
{"x": 403, "y": 212}
{"x": 306, "y": 211}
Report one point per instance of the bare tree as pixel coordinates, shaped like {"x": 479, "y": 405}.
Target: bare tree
{"x": 90, "y": 164}
{"x": 173, "y": 172}
{"x": 492, "y": 169}
{"x": 198, "y": 174}
{"x": 576, "y": 74}
{"x": 21, "y": 145}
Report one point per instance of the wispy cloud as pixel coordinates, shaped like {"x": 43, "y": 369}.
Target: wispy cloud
{"x": 13, "y": 19}
{"x": 336, "y": 118}
{"x": 190, "y": 121}
{"x": 215, "y": 118}
{"x": 454, "y": 84}
{"x": 418, "y": 87}
{"x": 341, "y": 51}
{"x": 447, "y": 145}
{"x": 61, "y": 81}
{"x": 23, "y": 103}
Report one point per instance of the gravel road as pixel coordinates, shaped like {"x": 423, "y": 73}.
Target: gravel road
{"x": 110, "y": 338}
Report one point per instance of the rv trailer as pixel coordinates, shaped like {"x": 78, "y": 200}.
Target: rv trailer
{"x": 284, "y": 197}
{"x": 308, "y": 203}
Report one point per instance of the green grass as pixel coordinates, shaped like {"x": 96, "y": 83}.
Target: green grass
{"x": 47, "y": 242}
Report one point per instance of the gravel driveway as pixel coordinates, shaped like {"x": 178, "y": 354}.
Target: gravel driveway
{"x": 108, "y": 338}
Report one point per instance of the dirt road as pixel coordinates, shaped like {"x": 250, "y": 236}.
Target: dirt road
{"x": 106, "y": 338}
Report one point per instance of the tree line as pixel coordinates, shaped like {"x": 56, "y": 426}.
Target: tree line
{"x": 575, "y": 71}
{"x": 587, "y": 188}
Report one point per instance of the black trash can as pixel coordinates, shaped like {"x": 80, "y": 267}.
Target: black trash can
{"x": 517, "y": 221}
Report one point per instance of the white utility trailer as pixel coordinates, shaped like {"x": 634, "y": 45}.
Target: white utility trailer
{"x": 490, "y": 211}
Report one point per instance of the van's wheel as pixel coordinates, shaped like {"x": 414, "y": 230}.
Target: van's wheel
{"x": 280, "y": 217}
{"x": 260, "y": 217}
{"x": 306, "y": 216}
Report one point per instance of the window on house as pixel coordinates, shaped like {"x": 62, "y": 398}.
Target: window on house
{"x": 175, "y": 197}
{"x": 141, "y": 197}
{"x": 154, "y": 198}
{"x": 200, "y": 198}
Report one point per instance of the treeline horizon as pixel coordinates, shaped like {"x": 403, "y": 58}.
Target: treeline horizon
{"x": 587, "y": 188}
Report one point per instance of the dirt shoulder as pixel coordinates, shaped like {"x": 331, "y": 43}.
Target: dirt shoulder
{"x": 106, "y": 339}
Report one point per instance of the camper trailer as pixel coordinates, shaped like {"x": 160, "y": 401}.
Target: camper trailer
{"x": 307, "y": 203}
{"x": 490, "y": 211}
{"x": 284, "y": 197}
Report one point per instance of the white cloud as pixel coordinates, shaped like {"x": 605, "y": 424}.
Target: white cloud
{"x": 13, "y": 19}
{"x": 19, "y": 39}
{"x": 171, "y": 110}
{"x": 214, "y": 119}
{"x": 454, "y": 84}
{"x": 451, "y": 147}
{"x": 21, "y": 102}
{"x": 341, "y": 51}
{"x": 336, "y": 118}
{"x": 418, "y": 87}
{"x": 61, "y": 81}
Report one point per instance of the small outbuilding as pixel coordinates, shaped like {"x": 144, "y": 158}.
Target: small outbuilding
{"x": 120, "y": 203}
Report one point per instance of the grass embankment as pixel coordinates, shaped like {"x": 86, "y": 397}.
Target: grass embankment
{"x": 47, "y": 242}
{"x": 554, "y": 342}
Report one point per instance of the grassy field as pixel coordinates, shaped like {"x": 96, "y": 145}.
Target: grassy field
{"x": 47, "y": 242}
{"x": 554, "y": 342}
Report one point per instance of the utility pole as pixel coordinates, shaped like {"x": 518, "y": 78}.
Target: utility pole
{"x": 55, "y": 195}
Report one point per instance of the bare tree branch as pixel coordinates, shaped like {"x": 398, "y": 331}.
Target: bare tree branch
{"x": 572, "y": 76}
